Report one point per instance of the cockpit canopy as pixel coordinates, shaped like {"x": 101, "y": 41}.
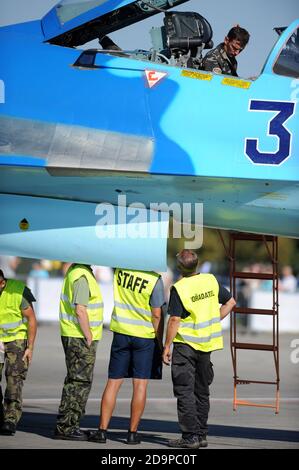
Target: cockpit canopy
{"x": 287, "y": 63}
{"x": 179, "y": 42}
{"x": 74, "y": 22}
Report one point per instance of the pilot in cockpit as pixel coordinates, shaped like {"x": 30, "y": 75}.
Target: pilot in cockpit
{"x": 222, "y": 59}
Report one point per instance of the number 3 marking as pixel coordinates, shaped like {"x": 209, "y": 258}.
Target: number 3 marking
{"x": 285, "y": 109}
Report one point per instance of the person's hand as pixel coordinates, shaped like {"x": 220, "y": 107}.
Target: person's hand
{"x": 28, "y": 355}
{"x": 89, "y": 340}
{"x": 166, "y": 356}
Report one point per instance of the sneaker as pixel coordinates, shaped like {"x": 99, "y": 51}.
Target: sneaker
{"x": 8, "y": 429}
{"x": 75, "y": 435}
{"x": 203, "y": 442}
{"x": 185, "y": 443}
{"x": 133, "y": 438}
{"x": 100, "y": 436}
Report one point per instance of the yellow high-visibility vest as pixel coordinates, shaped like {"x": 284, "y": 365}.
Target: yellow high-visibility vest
{"x": 12, "y": 323}
{"x": 132, "y": 311}
{"x": 69, "y": 323}
{"x": 202, "y": 328}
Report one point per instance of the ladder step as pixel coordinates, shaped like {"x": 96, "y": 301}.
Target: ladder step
{"x": 252, "y": 236}
{"x": 242, "y": 275}
{"x": 258, "y": 405}
{"x": 254, "y": 311}
{"x": 257, "y": 347}
{"x": 248, "y": 382}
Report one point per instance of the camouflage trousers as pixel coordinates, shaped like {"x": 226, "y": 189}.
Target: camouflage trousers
{"x": 15, "y": 374}
{"x": 80, "y": 361}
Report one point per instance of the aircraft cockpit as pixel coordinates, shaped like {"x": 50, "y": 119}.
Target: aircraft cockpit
{"x": 179, "y": 42}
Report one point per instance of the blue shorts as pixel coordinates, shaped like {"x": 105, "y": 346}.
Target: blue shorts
{"x": 131, "y": 357}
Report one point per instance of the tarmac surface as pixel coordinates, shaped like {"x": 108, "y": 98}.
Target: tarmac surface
{"x": 246, "y": 428}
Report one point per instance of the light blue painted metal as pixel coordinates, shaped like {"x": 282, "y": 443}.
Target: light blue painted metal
{"x": 73, "y": 231}
{"x": 264, "y": 206}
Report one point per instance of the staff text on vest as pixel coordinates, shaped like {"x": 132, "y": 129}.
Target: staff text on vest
{"x": 128, "y": 281}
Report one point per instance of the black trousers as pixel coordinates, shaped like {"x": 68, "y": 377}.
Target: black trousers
{"x": 192, "y": 373}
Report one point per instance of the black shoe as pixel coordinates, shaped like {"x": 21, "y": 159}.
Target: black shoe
{"x": 203, "y": 442}
{"x": 75, "y": 435}
{"x": 133, "y": 438}
{"x": 184, "y": 443}
{"x": 1, "y": 416}
{"x": 100, "y": 436}
{"x": 8, "y": 429}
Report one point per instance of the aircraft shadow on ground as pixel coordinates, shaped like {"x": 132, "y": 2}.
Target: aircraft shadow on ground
{"x": 43, "y": 424}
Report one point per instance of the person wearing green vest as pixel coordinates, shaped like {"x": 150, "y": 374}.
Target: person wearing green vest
{"x": 81, "y": 324}
{"x": 17, "y": 336}
{"x": 194, "y": 328}
{"x": 137, "y": 323}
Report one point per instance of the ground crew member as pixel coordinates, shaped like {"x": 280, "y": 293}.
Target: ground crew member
{"x": 222, "y": 59}
{"x": 17, "y": 335}
{"x": 137, "y": 322}
{"x": 194, "y": 328}
{"x": 81, "y": 324}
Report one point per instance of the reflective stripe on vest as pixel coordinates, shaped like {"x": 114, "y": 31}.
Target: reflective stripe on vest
{"x": 14, "y": 325}
{"x": 69, "y": 323}
{"x": 142, "y": 311}
{"x": 202, "y": 328}
{"x": 73, "y": 319}
{"x": 89, "y": 306}
{"x": 202, "y": 339}
{"x": 132, "y": 313}
{"x": 131, "y": 321}
{"x": 204, "y": 324}
{"x": 9, "y": 326}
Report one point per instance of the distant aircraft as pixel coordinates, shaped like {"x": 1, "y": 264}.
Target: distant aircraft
{"x": 83, "y": 127}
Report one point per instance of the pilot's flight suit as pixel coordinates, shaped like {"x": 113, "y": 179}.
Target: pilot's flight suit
{"x": 217, "y": 61}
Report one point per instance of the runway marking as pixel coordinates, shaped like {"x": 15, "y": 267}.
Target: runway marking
{"x": 162, "y": 400}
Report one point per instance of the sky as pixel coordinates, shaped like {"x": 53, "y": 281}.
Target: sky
{"x": 259, "y": 17}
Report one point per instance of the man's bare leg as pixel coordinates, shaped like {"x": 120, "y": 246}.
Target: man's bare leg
{"x": 138, "y": 402}
{"x": 108, "y": 401}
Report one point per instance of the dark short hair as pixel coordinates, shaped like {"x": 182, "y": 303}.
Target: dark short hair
{"x": 187, "y": 261}
{"x": 239, "y": 34}
{"x": 1, "y": 274}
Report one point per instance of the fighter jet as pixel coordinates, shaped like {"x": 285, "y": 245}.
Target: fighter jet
{"x": 85, "y": 132}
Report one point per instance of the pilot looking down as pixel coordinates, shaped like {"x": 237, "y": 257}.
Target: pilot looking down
{"x": 222, "y": 59}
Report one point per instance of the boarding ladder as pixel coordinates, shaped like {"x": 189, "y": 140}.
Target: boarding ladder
{"x": 271, "y": 245}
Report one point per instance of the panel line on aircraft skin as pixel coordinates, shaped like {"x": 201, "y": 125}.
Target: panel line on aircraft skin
{"x": 73, "y": 146}
{"x": 105, "y": 67}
